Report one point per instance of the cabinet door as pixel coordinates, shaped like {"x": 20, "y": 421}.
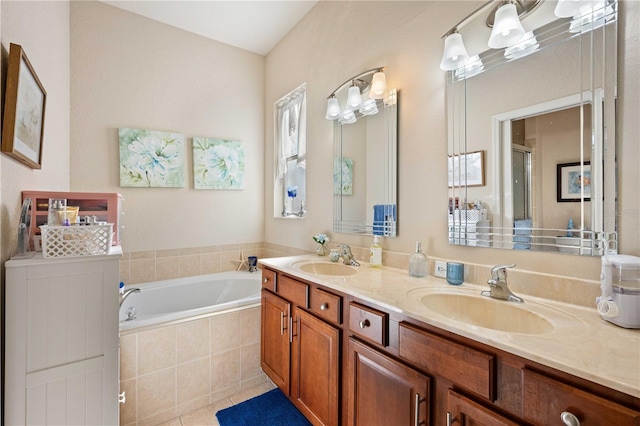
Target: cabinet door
{"x": 381, "y": 391}
{"x": 462, "y": 411}
{"x": 315, "y": 368}
{"x": 274, "y": 344}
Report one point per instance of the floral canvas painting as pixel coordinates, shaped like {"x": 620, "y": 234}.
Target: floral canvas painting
{"x": 343, "y": 176}
{"x": 218, "y": 164}
{"x": 151, "y": 159}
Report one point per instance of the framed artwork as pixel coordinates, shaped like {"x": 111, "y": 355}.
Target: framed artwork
{"x": 466, "y": 169}
{"x": 218, "y": 164}
{"x": 151, "y": 159}
{"x": 25, "y": 100}
{"x": 573, "y": 179}
{"x": 342, "y": 176}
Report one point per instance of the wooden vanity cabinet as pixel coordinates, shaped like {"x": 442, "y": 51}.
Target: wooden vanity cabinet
{"x": 300, "y": 352}
{"x": 343, "y": 360}
{"x": 382, "y": 391}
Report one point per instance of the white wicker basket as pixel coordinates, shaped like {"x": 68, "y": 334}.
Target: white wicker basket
{"x": 73, "y": 241}
{"x": 470, "y": 215}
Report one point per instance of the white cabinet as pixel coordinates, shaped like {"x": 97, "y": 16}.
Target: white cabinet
{"x": 61, "y": 340}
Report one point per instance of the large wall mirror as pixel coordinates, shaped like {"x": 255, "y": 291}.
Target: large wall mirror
{"x": 365, "y": 159}
{"x": 532, "y": 143}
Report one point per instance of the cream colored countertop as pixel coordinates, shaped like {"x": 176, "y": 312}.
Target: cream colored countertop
{"x": 581, "y": 343}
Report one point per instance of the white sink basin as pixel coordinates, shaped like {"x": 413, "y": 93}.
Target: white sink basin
{"x": 325, "y": 268}
{"x": 489, "y": 313}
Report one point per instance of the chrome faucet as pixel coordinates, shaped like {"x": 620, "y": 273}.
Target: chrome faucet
{"x": 124, "y": 294}
{"x": 347, "y": 256}
{"x": 498, "y": 284}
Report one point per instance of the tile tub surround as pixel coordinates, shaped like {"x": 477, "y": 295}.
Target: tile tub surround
{"x": 176, "y": 369}
{"x": 581, "y": 343}
{"x": 159, "y": 265}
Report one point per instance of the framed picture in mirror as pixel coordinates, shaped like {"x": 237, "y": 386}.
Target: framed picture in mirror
{"x": 23, "y": 122}
{"x": 466, "y": 169}
{"x": 574, "y": 180}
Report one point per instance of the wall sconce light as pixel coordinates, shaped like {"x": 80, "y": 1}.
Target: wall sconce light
{"x": 374, "y": 81}
{"x": 455, "y": 54}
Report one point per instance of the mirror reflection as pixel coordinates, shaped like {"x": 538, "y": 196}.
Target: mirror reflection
{"x": 365, "y": 156}
{"x": 545, "y": 126}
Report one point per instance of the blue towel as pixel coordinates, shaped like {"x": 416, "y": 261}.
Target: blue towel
{"x": 522, "y": 234}
{"x": 383, "y": 215}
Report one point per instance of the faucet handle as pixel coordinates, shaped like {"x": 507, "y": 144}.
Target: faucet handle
{"x": 500, "y": 271}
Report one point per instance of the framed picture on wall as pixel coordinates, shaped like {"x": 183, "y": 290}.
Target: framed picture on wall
{"x": 466, "y": 169}
{"x": 573, "y": 180}
{"x": 23, "y": 122}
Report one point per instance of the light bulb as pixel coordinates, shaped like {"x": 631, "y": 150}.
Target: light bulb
{"x": 378, "y": 85}
{"x": 507, "y": 28}
{"x": 454, "y": 53}
{"x": 333, "y": 108}
{"x": 354, "y": 98}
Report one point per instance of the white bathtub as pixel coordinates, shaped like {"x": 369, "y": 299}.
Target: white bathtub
{"x": 183, "y": 298}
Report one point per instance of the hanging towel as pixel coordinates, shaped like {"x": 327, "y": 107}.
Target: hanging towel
{"x": 383, "y": 215}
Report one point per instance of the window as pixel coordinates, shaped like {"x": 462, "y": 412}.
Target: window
{"x": 291, "y": 152}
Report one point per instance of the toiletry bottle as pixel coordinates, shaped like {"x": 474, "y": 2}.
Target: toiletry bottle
{"x": 570, "y": 228}
{"x": 375, "y": 253}
{"x": 418, "y": 262}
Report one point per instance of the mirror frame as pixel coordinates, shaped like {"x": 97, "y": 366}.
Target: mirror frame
{"x": 602, "y": 234}
{"x": 389, "y": 170}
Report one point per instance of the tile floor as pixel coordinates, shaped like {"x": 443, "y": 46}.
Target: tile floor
{"x": 206, "y": 416}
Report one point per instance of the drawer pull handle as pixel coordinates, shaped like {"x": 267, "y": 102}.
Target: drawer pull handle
{"x": 324, "y": 306}
{"x": 569, "y": 419}
{"x": 265, "y": 280}
{"x": 364, "y": 324}
{"x": 450, "y": 419}
{"x": 419, "y": 400}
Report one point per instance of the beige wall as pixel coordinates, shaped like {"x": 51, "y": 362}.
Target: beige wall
{"x": 42, "y": 29}
{"x": 337, "y": 40}
{"x": 130, "y": 71}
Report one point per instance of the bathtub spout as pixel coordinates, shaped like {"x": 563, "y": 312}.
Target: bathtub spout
{"x": 126, "y": 294}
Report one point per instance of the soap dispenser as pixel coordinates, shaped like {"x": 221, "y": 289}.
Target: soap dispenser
{"x": 375, "y": 253}
{"x": 418, "y": 262}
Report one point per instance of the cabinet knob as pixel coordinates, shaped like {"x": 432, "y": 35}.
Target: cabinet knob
{"x": 569, "y": 419}
{"x": 265, "y": 280}
{"x": 324, "y": 306}
{"x": 364, "y": 324}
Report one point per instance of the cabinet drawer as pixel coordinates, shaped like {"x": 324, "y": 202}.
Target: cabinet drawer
{"x": 294, "y": 291}
{"x": 369, "y": 324}
{"x": 466, "y": 367}
{"x": 269, "y": 280}
{"x": 545, "y": 399}
{"x": 326, "y": 305}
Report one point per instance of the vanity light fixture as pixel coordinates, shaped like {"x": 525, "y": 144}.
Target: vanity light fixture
{"x": 354, "y": 98}
{"x": 455, "y": 54}
{"x": 372, "y": 82}
{"x": 333, "y": 108}
{"x": 507, "y": 28}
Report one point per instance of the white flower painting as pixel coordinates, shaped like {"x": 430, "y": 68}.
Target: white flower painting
{"x": 151, "y": 159}
{"x": 342, "y": 176}
{"x": 218, "y": 164}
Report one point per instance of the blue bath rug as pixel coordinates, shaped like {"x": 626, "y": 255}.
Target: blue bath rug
{"x": 269, "y": 409}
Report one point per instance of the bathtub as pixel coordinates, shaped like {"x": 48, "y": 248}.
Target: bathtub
{"x": 189, "y": 298}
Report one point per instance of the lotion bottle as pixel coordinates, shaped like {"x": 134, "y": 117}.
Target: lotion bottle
{"x": 375, "y": 253}
{"x": 418, "y": 262}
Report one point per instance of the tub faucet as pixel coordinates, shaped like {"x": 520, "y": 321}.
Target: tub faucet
{"x": 347, "y": 256}
{"x": 124, "y": 294}
{"x": 498, "y": 284}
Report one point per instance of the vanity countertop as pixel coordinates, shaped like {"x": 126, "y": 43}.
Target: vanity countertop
{"x": 581, "y": 343}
